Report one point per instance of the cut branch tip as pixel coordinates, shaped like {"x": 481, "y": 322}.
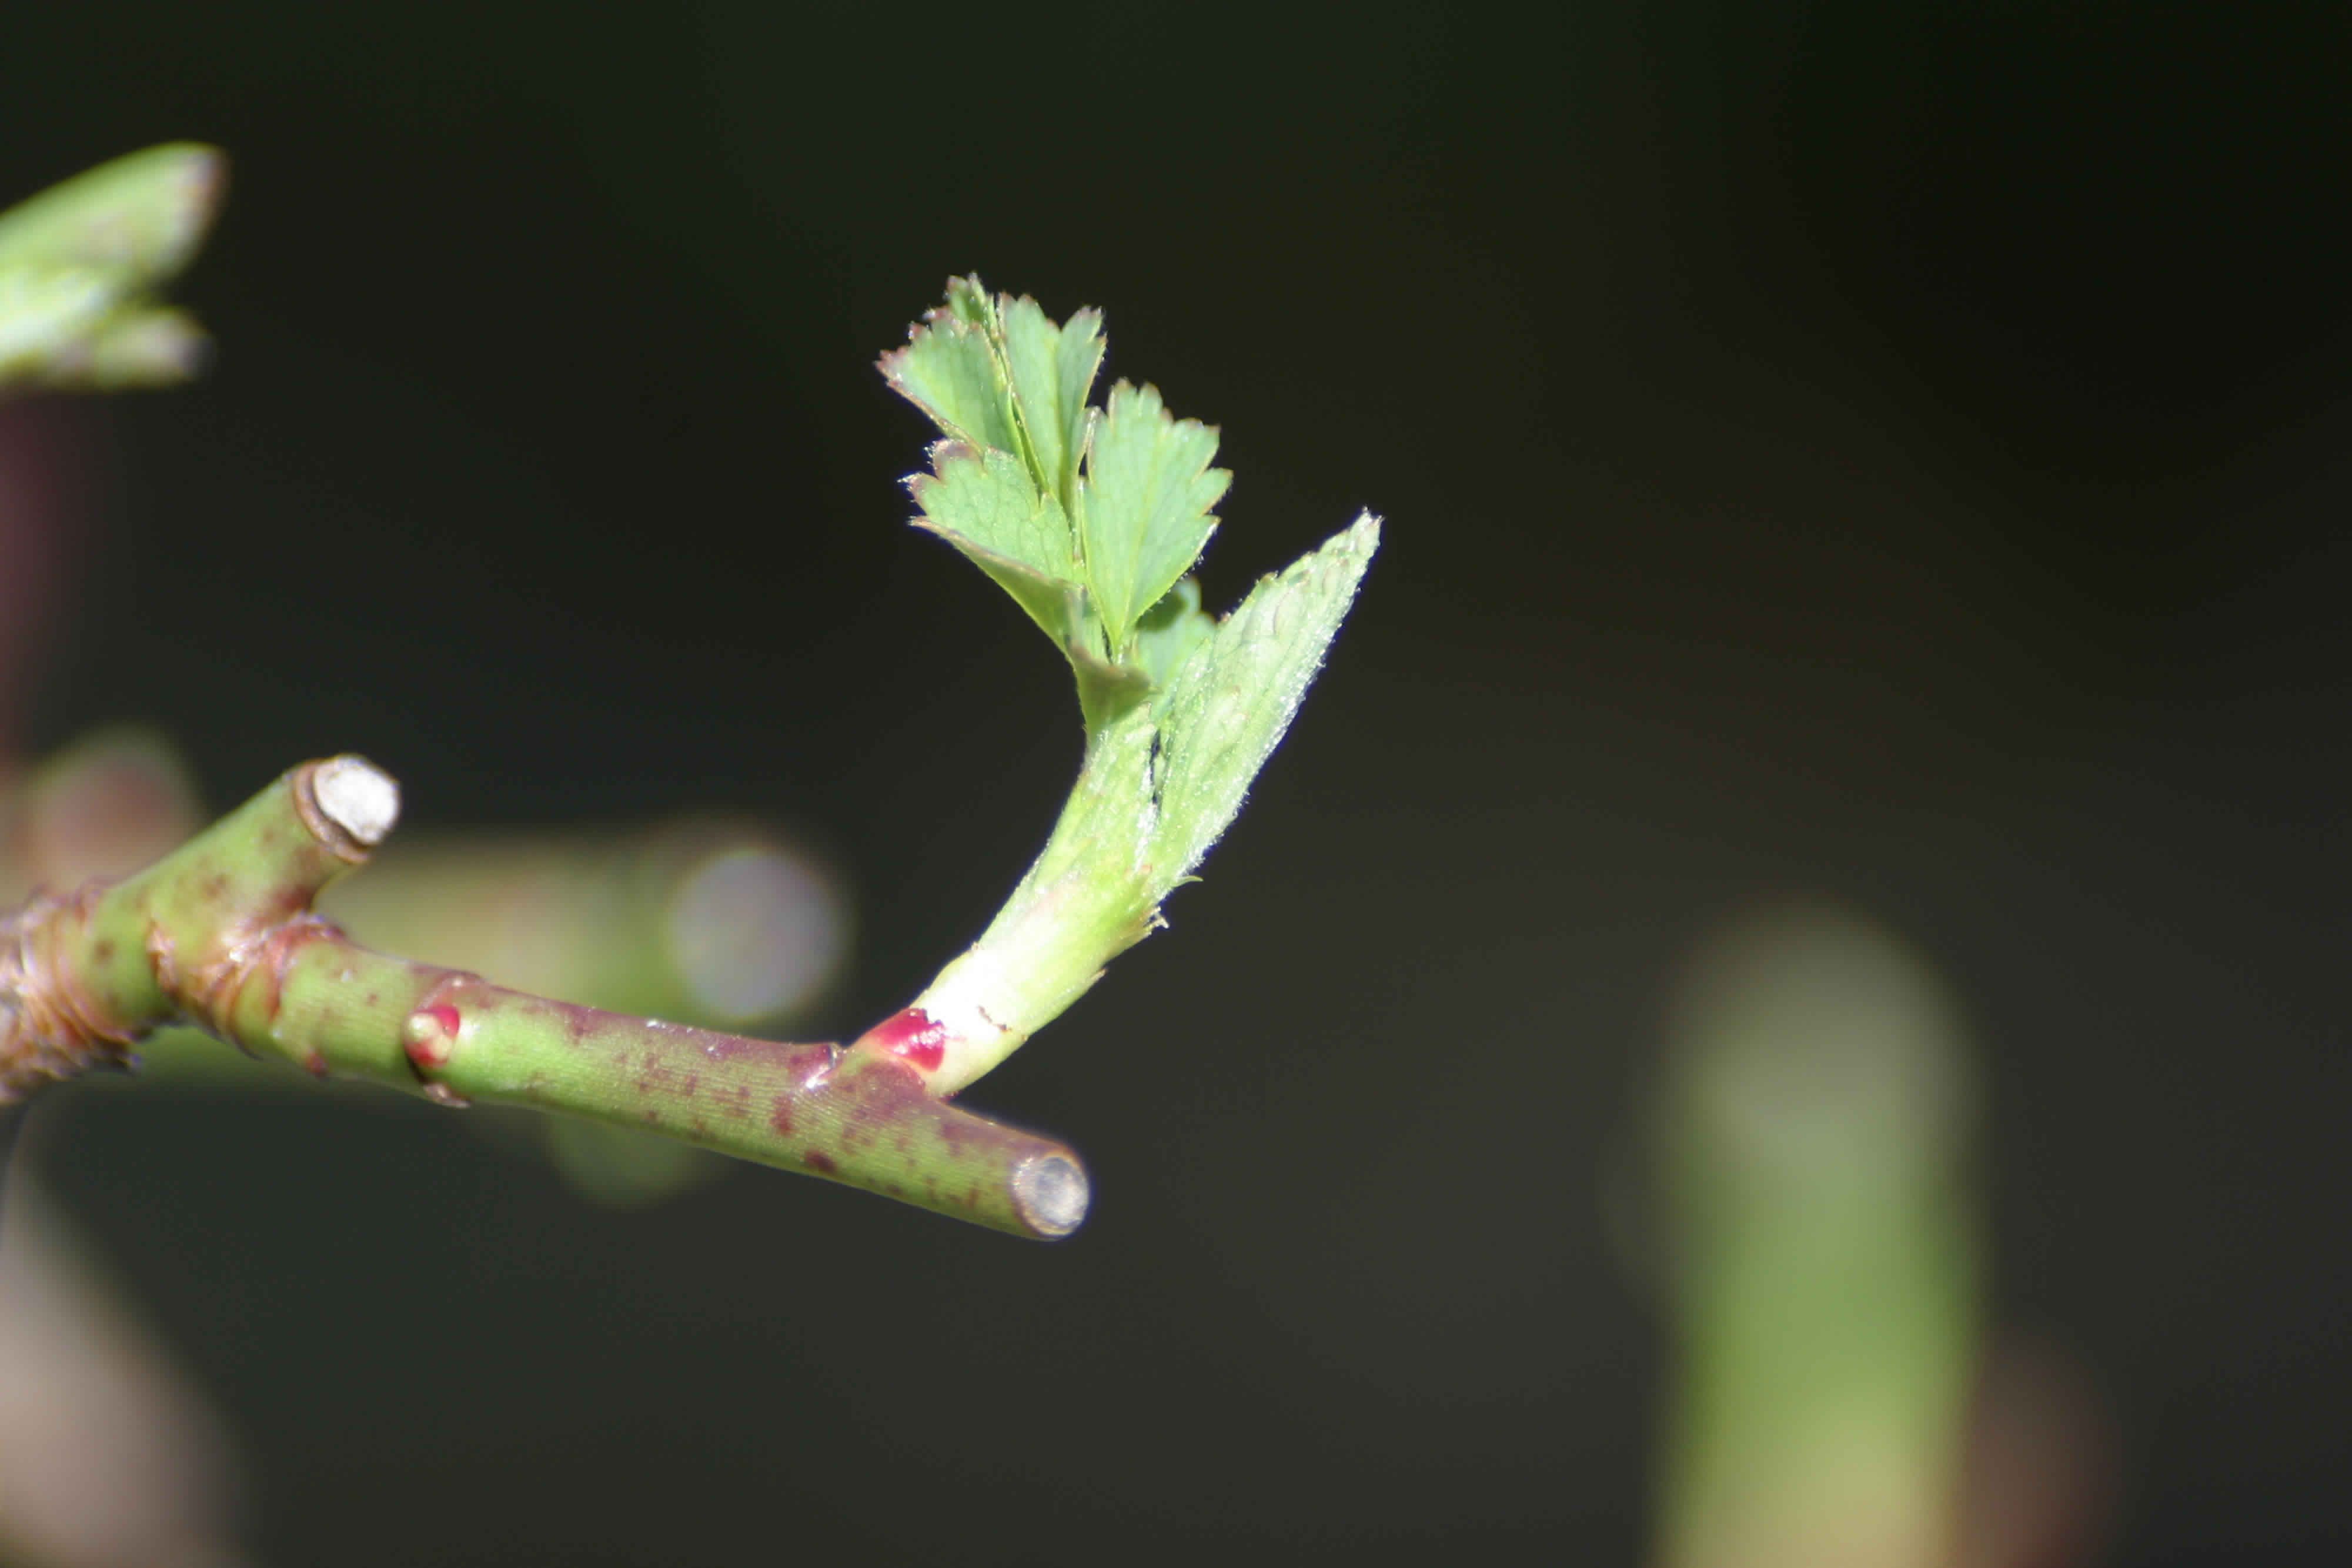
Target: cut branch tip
{"x": 1051, "y": 1194}
{"x": 357, "y": 797}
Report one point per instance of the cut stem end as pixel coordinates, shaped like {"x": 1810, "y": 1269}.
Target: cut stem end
{"x": 1051, "y": 1194}
{"x": 356, "y": 796}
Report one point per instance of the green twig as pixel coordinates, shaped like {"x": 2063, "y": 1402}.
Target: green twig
{"x": 220, "y": 934}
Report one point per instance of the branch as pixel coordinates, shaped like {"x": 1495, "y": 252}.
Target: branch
{"x": 1091, "y": 519}
{"x": 220, "y": 934}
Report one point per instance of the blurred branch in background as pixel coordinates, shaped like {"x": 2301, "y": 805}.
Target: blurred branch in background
{"x": 1822, "y": 1252}
{"x": 708, "y": 920}
{"x": 721, "y": 923}
{"x": 1834, "y": 1402}
{"x": 1812, "y": 1155}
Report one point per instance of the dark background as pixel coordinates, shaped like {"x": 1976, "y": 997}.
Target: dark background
{"x": 1889, "y": 451}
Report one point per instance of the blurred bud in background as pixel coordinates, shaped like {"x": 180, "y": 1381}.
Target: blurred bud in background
{"x": 108, "y": 803}
{"x": 1822, "y": 1244}
{"x": 2040, "y": 1487}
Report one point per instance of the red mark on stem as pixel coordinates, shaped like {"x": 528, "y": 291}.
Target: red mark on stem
{"x": 821, "y": 1162}
{"x": 780, "y": 1119}
{"x": 914, "y": 1037}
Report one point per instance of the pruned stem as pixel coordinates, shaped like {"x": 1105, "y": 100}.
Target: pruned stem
{"x": 220, "y": 934}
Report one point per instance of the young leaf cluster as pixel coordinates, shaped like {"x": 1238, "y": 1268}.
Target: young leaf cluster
{"x": 80, "y": 263}
{"x": 1089, "y": 517}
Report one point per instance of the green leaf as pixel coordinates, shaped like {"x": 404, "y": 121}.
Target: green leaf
{"x": 968, "y": 301}
{"x": 138, "y": 217}
{"x": 951, "y": 368}
{"x": 76, "y": 262}
{"x": 984, "y": 504}
{"x": 1144, "y": 506}
{"x": 1171, "y": 630}
{"x": 134, "y": 346}
{"x": 45, "y": 309}
{"x": 1229, "y": 703}
{"x": 1106, "y": 692}
{"x": 1091, "y": 521}
{"x": 1051, "y": 368}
